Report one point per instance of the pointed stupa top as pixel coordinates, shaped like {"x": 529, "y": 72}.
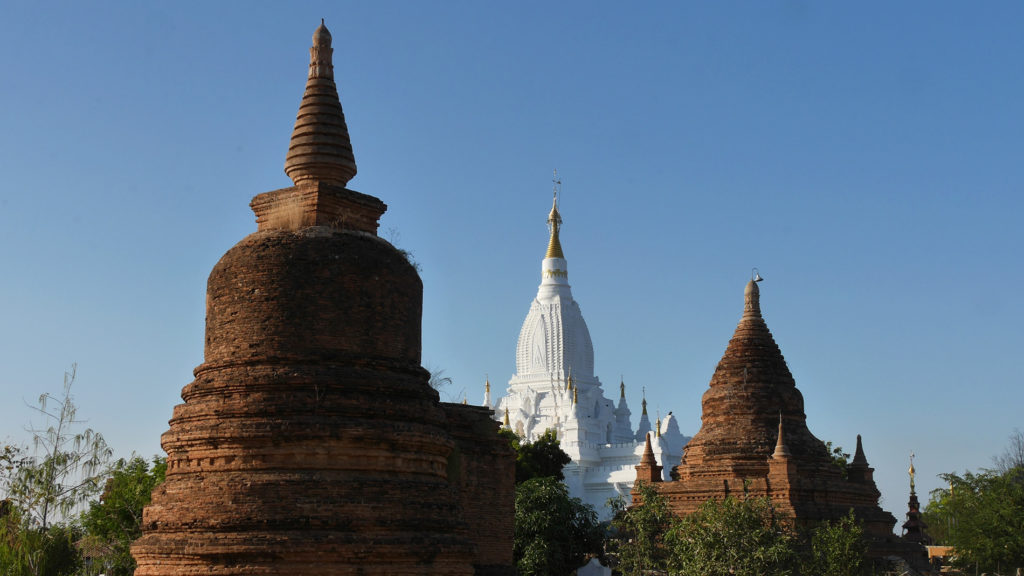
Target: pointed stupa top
{"x": 751, "y": 387}
{"x": 859, "y": 459}
{"x": 554, "y": 223}
{"x": 648, "y": 457}
{"x": 506, "y": 423}
{"x": 622, "y": 388}
{"x": 781, "y": 450}
{"x": 320, "y": 149}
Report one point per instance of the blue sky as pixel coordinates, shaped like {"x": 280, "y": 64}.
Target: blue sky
{"x": 865, "y": 157}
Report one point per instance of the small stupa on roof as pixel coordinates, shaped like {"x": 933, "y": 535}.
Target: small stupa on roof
{"x": 310, "y": 441}
{"x": 754, "y": 440}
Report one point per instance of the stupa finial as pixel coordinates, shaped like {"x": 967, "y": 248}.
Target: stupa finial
{"x": 554, "y": 222}
{"x": 912, "y": 473}
{"x": 752, "y": 295}
{"x": 320, "y": 149}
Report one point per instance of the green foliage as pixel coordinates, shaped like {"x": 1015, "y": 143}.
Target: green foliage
{"x": 542, "y": 458}
{"x": 29, "y": 551}
{"x": 42, "y": 490}
{"x": 66, "y": 471}
{"x": 838, "y": 548}
{"x": 115, "y": 521}
{"x": 732, "y": 537}
{"x": 640, "y": 532}
{"x": 839, "y": 458}
{"x": 554, "y": 534}
{"x": 982, "y": 516}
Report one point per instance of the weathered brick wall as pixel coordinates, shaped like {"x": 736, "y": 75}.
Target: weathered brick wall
{"x": 310, "y": 441}
{"x": 482, "y": 469}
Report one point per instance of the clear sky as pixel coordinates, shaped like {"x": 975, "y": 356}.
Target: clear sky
{"x": 866, "y": 157}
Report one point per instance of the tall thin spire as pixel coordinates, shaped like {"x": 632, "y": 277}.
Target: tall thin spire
{"x": 912, "y": 473}
{"x": 781, "y": 450}
{"x": 320, "y": 149}
{"x": 554, "y": 222}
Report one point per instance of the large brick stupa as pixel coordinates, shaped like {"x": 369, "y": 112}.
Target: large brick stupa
{"x": 754, "y": 442}
{"x": 310, "y": 441}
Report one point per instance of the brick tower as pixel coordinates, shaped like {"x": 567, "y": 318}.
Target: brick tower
{"x": 310, "y": 442}
{"x": 754, "y": 441}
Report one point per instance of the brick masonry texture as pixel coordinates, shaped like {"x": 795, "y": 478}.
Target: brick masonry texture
{"x": 734, "y": 453}
{"x": 310, "y": 442}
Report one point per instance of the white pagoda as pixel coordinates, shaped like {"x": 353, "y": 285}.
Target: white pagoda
{"x": 555, "y": 387}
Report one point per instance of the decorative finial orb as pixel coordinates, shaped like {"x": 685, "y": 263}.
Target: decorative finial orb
{"x": 752, "y": 298}
{"x": 321, "y": 35}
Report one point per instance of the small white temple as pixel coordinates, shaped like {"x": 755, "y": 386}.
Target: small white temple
{"x": 555, "y": 387}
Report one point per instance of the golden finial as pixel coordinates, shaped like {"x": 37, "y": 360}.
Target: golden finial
{"x": 555, "y": 222}
{"x": 569, "y": 381}
{"x": 575, "y": 395}
{"x": 657, "y": 426}
{"x": 507, "y": 423}
{"x": 487, "y": 384}
{"x": 912, "y": 472}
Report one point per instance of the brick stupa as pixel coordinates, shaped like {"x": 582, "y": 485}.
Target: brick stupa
{"x": 310, "y": 442}
{"x": 754, "y": 441}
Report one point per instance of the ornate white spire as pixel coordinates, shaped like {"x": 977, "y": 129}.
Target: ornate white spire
{"x": 555, "y": 338}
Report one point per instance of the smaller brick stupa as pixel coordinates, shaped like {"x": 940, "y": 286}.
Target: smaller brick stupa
{"x": 754, "y": 441}
{"x": 310, "y": 442}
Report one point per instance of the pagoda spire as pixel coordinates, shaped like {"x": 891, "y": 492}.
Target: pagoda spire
{"x": 648, "y": 469}
{"x": 554, "y": 222}
{"x": 914, "y": 529}
{"x": 320, "y": 149}
{"x": 781, "y": 450}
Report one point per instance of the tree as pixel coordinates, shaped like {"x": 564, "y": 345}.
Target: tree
{"x": 733, "y": 536}
{"x": 554, "y": 533}
{"x": 41, "y": 490}
{"x": 639, "y": 540}
{"x": 31, "y": 551}
{"x": 115, "y": 521}
{"x": 66, "y": 471}
{"x": 1013, "y": 456}
{"x": 982, "y": 516}
{"x": 541, "y": 458}
{"x": 840, "y": 458}
{"x": 837, "y": 548}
